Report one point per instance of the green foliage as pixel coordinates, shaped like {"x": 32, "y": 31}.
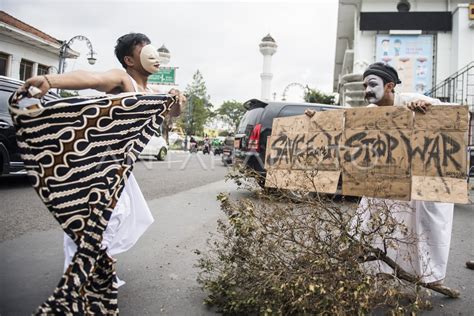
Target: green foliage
{"x": 316, "y": 96}
{"x": 231, "y": 112}
{"x": 198, "y": 107}
{"x": 197, "y": 87}
{"x": 68, "y": 93}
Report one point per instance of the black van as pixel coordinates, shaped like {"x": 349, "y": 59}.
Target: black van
{"x": 256, "y": 125}
{"x": 10, "y": 160}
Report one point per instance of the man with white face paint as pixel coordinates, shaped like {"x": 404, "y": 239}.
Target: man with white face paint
{"x": 379, "y": 90}
{"x": 131, "y": 216}
{"x": 430, "y": 222}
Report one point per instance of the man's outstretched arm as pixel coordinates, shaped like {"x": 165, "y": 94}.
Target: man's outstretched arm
{"x": 77, "y": 80}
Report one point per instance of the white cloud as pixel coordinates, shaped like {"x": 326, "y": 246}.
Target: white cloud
{"x": 219, "y": 38}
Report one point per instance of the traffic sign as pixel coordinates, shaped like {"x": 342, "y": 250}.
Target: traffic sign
{"x": 165, "y": 75}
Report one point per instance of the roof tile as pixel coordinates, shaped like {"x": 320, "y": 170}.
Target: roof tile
{"x": 10, "y": 20}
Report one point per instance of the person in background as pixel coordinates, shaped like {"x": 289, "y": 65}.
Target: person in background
{"x": 192, "y": 144}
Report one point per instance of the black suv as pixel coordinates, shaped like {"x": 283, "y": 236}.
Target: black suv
{"x": 256, "y": 125}
{"x": 10, "y": 160}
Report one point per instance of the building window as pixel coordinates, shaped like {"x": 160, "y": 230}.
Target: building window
{"x": 3, "y": 64}
{"x": 42, "y": 70}
{"x": 26, "y": 69}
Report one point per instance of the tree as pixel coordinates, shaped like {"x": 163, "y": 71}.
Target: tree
{"x": 231, "y": 112}
{"x": 68, "y": 93}
{"x": 278, "y": 254}
{"x": 316, "y": 96}
{"x": 198, "y": 108}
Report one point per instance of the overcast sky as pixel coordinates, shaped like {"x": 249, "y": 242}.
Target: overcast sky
{"x": 220, "y": 38}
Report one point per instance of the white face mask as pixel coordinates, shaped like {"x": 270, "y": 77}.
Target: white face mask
{"x": 149, "y": 58}
{"x": 374, "y": 89}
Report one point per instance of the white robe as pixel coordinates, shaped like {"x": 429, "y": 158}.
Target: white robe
{"x": 431, "y": 222}
{"x": 129, "y": 220}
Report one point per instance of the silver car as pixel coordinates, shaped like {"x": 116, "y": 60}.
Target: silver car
{"x": 156, "y": 147}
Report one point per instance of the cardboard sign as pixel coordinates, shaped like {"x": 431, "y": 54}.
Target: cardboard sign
{"x": 385, "y": 152}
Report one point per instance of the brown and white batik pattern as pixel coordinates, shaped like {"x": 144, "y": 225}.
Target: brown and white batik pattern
{"x": 78, "y": 153}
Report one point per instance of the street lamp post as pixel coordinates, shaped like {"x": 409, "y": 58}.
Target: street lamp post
{"x": 65, "y": 46}
{"x": 189, "y": 118}
{"x": 53, "y": 70}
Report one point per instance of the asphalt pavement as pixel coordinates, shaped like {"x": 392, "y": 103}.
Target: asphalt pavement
{"x": 21, "y": 210}
{"x": 159, "y": 270}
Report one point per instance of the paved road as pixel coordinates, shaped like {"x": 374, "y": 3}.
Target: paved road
{"x": 22, "y": 211}
{"x": 180, "y": 193}
{"x": 159, "y": 270}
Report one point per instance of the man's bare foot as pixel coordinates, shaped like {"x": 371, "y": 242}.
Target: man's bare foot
{"x": 309, "y": 112}
{"x": 470, "y": 264}
{"x": 437, "y": 283}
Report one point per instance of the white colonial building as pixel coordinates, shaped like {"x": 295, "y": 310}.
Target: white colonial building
{"x": 429, "y": 42}
{"x": 26, "y": 51}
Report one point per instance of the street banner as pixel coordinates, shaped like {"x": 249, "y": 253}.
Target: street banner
{"x": 384, "y": 152}
{"x": 411, "y": 56}
{"x": 164, "y": 76}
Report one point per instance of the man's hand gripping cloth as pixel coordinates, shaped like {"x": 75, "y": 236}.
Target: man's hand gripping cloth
{"x": 78, "y": 152}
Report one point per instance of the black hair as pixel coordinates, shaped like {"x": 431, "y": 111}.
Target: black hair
{"x": 126, "y": 44}
{"x": 384, "y": 71}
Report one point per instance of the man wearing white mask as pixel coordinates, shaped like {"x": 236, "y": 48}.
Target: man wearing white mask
{"x": 131, "y": 216}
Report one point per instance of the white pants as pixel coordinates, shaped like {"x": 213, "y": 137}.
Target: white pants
{"x": 430, "y": 222}
{"x": 129, "y": 220}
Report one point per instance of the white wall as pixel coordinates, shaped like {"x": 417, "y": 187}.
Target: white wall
{"x": 443, "y": 56}
{"x": 462, "y": 39}
{"x": 364, "y": 50}
{"x": 20, "y": 50}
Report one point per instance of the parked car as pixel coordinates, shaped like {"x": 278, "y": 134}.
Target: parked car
{"x": 470, "y": 166}
{"x": 228, "y": 150}
{"x": 256, "y": 125}
{"x": 156, "y": 147}
{"x": 10, "y": 160}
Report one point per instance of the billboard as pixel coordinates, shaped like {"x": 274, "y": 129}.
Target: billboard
{"x": 165, "y": 76}
{"x": 411, "y": 56}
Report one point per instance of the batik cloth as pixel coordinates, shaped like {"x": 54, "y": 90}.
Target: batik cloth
{"x": 78, "y": 153}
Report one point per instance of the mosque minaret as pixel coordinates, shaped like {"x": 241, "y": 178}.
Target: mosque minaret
{"x": 268, "y": 47}
{"x": 165, "y": 55}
